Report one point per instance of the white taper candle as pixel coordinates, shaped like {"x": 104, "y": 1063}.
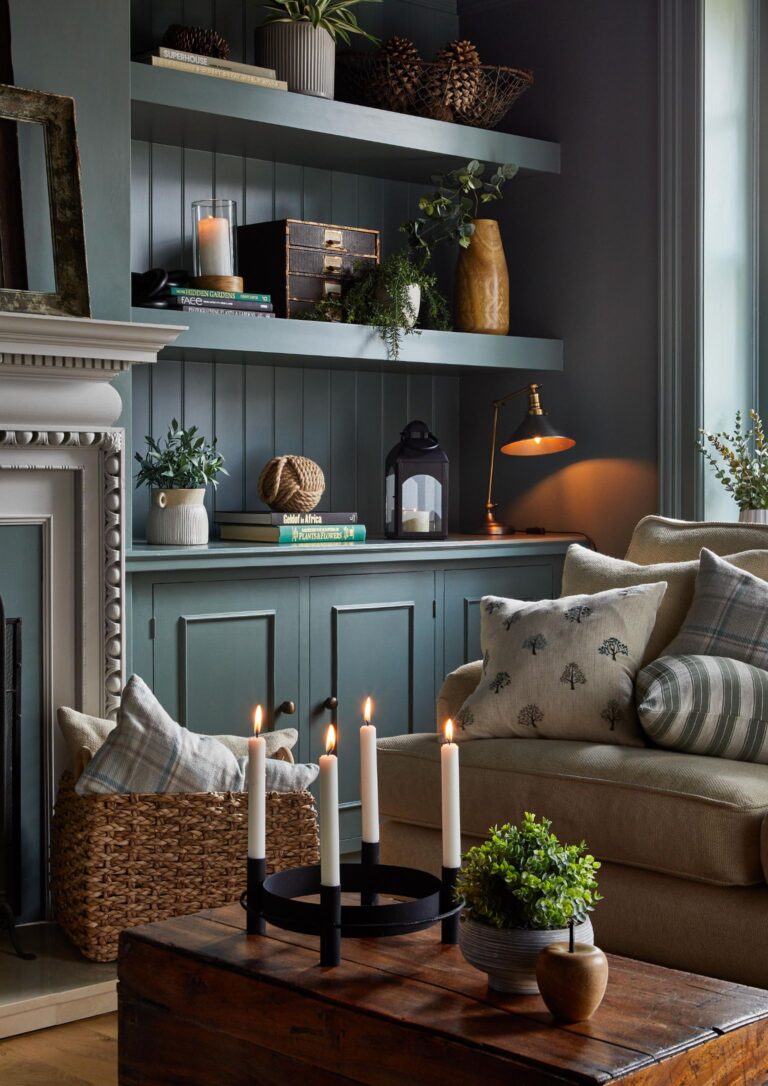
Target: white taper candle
{"x": 257, "y": 791}
{"x": 330, "y": 860}
{"x": 369, "y": 779}
{"x": 449, "y": 779}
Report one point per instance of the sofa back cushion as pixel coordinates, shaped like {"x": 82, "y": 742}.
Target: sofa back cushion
{"x": 561, "y": 669}
{"x": 661, "y": 539}
{"x": 587, "y": 571}
{"x": 705, "y": 705}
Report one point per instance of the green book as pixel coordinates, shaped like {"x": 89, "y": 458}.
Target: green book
{"x": 230, "y": 295}
{"x": 294, "y": 533}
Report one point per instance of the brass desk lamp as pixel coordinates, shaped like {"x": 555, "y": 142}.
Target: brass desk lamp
{"x": 535, "y": 436}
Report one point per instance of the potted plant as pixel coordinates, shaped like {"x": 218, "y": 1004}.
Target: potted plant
{"x": 521, "y": 888}
{"x": 389, "y": 296}
{"x": 177, "y": 473}
{"x": 741, "y": 466}
{"x": 298, "y": 39}
{"x": 451, "y": 213}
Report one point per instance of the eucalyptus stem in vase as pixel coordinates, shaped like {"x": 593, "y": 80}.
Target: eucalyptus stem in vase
{"x": 741, "y": 465}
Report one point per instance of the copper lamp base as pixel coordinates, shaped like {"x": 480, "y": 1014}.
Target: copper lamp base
{"x": 491, "y": 526}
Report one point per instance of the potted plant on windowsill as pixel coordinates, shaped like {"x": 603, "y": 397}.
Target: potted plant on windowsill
{"x": 298, "y": 39}
{"x": 521, "y": 888}
{"x": 741, "y": 466}
{"x": 177, "y": 473}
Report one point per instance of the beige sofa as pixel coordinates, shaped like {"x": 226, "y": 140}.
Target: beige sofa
{"x": 683, "y": 839}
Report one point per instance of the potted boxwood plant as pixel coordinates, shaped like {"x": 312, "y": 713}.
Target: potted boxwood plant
{"x": 742, "y": 466}
{"x": 178, "y": 472}
{"x": 298, "y": 39}
{"x": 451, "y": 213}
{"x": 521, "y": 889}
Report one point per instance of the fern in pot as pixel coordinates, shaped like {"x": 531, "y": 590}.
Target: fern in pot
{"x": 298, "y": 39}
{"x": 177, "y": 473}
{"x": 522, "y": 890}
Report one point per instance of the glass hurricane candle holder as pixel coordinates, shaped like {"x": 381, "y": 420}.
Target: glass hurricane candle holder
{"x": 214, "y": 244}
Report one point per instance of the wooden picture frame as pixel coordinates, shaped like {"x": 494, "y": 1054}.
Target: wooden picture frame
{"x": 56, "y": 114}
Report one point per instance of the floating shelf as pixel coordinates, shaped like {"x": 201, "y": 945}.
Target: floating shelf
{"x": 346, "y": 346}
{"x": 187, "y": 110}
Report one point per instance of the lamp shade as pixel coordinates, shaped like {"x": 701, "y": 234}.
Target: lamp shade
{"x": 536, "y": 436}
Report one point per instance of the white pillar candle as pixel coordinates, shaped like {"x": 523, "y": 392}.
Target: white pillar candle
{"x": 449, "y": 777}
{"x": 257, "y": 791}
{"x": 369, "y": 780}
{"x": 330, "y": 871}
{"x": 415, "y": 520}
{"x": 214, "y": 246}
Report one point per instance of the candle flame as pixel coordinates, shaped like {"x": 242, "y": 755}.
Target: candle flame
{"x": 449, "y": 730}
{"x": 257, "y": 718}
{"x": 330, "y": 740}
{"x": 368, "y": 711}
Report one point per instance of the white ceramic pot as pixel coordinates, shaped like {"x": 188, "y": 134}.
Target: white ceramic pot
{"x": 753, "y": 516}
{"x": 302, "y": 54}
{"x": 178, "y": 518}
{"x": 508, "y": 955}
{"x": 411, "y": 310}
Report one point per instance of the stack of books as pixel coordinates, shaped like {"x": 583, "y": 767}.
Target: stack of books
{"x": 220, "y": 303}
{"x": 178, "y": 60}
{"x": 335, "y": 528}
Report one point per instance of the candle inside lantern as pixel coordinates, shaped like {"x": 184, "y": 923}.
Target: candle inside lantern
{"x": 369, "y": 781}
{"x": 257, "y": 790}
{"x": 215, "y": 246}
{"x": 449, "y": 774}
{"x": 330, "y": 870}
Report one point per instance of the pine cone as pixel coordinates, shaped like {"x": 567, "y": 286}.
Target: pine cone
{"x": 196, "y": 39}
{"x": 457, "y": 77}
{"x": 396, "y": 76}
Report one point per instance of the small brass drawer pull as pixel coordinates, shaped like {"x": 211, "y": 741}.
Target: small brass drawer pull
{"x": 331, "y": 703}
{"x": 330, "y": 288}
{"x": 333, "y": 264}
{"x": 287, "y": 707}
{"x": 332, "y": 238}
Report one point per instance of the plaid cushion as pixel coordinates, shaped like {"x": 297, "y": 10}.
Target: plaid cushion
{"x": 150, "y": 752}
{"x": 706, "y": 705}
{"x": 728, "y": 616}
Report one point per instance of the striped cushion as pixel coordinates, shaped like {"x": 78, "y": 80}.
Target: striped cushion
{"x": 706, "y": 705}
{"x": 728, "y": 616}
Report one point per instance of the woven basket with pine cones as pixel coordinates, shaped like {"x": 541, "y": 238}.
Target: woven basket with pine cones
{"x": 196, "y": 39}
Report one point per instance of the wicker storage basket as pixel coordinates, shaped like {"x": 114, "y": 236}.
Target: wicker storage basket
{"x": 118, "y": 861}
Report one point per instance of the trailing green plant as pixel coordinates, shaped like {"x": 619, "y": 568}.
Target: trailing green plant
{"x": 523, "y": 877}
{"x": 379, "y": 297}
{"x": 456, "y": 201}
{"x": 184, "y": 461}
{"x": 335, "y": 16}
{"x": 741, "y": 464}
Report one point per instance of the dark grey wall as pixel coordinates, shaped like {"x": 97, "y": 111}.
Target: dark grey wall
{"x": 582, "y": 252}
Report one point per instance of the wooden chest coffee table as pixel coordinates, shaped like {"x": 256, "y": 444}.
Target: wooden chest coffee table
{"x": 202, "y": 1004}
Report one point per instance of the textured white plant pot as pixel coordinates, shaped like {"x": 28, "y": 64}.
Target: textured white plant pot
{"x": 508, "y": 955}
{"x": 301, "y": 54}
{"x": 411, "y": 309}
{"x": 178, "y": 518}
{"x": 753, "y": 516}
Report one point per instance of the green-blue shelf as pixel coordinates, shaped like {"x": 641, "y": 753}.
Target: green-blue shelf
{"x": 346, "y": 346}
{"x": 187, "y": 110}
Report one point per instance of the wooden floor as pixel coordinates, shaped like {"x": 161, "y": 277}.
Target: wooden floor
{"x": 78, "y": 1054}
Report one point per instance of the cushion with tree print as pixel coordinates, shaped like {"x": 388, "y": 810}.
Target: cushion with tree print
{"x": 562, "y": 669}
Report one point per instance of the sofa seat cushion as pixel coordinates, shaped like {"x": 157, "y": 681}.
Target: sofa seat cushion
{"x": 679, "y": 814}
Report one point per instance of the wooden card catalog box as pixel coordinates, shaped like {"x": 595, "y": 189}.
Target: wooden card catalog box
{"x": 300, "y": 263}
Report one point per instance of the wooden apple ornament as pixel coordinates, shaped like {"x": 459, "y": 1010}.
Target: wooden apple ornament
{"x": 572, "y": 979}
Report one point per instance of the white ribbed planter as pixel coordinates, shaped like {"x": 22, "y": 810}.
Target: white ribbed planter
{"x": 302, "y": 54}
{"x": 178, "y": 518}
{"x": 411, "y": 310}
{"x": 753, "y": 516}
{"x": 508, "y": 955}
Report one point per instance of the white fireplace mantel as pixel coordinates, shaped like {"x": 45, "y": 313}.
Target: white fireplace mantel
{"x": 56, "y": 371}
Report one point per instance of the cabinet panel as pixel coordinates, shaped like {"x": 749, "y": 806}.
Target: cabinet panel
{"x": 369, "y": 635}
{"x": 465, "y": 588}
{"x": 220, "y": 647}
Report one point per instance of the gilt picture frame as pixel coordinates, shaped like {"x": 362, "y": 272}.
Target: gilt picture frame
{"x": 56, "y": 114}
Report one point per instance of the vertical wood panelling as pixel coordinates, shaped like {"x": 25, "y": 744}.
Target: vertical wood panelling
{"x": 197, "y": 408}
{"x": 230, "y": 425}
{"x": 141, "y": 425}
{"x": 370, "y": 488}
{"x": 198, "y": 185}
{"x": 316, "y": 423}
{"x": 259, "y": 428}
{"x": 343, "y": 441}
{"x": 289, "y": 411}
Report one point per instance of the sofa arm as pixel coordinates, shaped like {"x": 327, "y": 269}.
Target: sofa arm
{"x": 456, "y": 688}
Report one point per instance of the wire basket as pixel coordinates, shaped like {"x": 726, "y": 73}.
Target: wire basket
{"x": 473, "y": 94}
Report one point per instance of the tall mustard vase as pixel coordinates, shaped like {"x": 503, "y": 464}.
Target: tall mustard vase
{"x": 482, "y": 283}
{"x": 302, "y": 54}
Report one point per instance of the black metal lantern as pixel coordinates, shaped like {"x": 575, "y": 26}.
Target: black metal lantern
{"x": 416, "y": 486}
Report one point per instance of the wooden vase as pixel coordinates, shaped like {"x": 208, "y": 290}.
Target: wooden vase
{"x": 572, "y": 982}
{"x": 482, "y": 283}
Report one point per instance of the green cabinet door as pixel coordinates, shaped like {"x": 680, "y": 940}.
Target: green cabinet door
{"x": 220, "y": 647}
{"x": 465, "y": 588}
{"x": 370, "y": 634}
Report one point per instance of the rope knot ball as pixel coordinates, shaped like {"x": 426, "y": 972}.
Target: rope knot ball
{"x": 291, "y": 484}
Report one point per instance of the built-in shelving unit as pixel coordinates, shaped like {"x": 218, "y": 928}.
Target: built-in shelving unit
{"x": 187, "y": 110}
{"x": 347, "y": 346}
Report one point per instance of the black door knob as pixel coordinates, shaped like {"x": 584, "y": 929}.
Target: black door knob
{"x": 331, "y": 703}
{"x": 287, "y": 707}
